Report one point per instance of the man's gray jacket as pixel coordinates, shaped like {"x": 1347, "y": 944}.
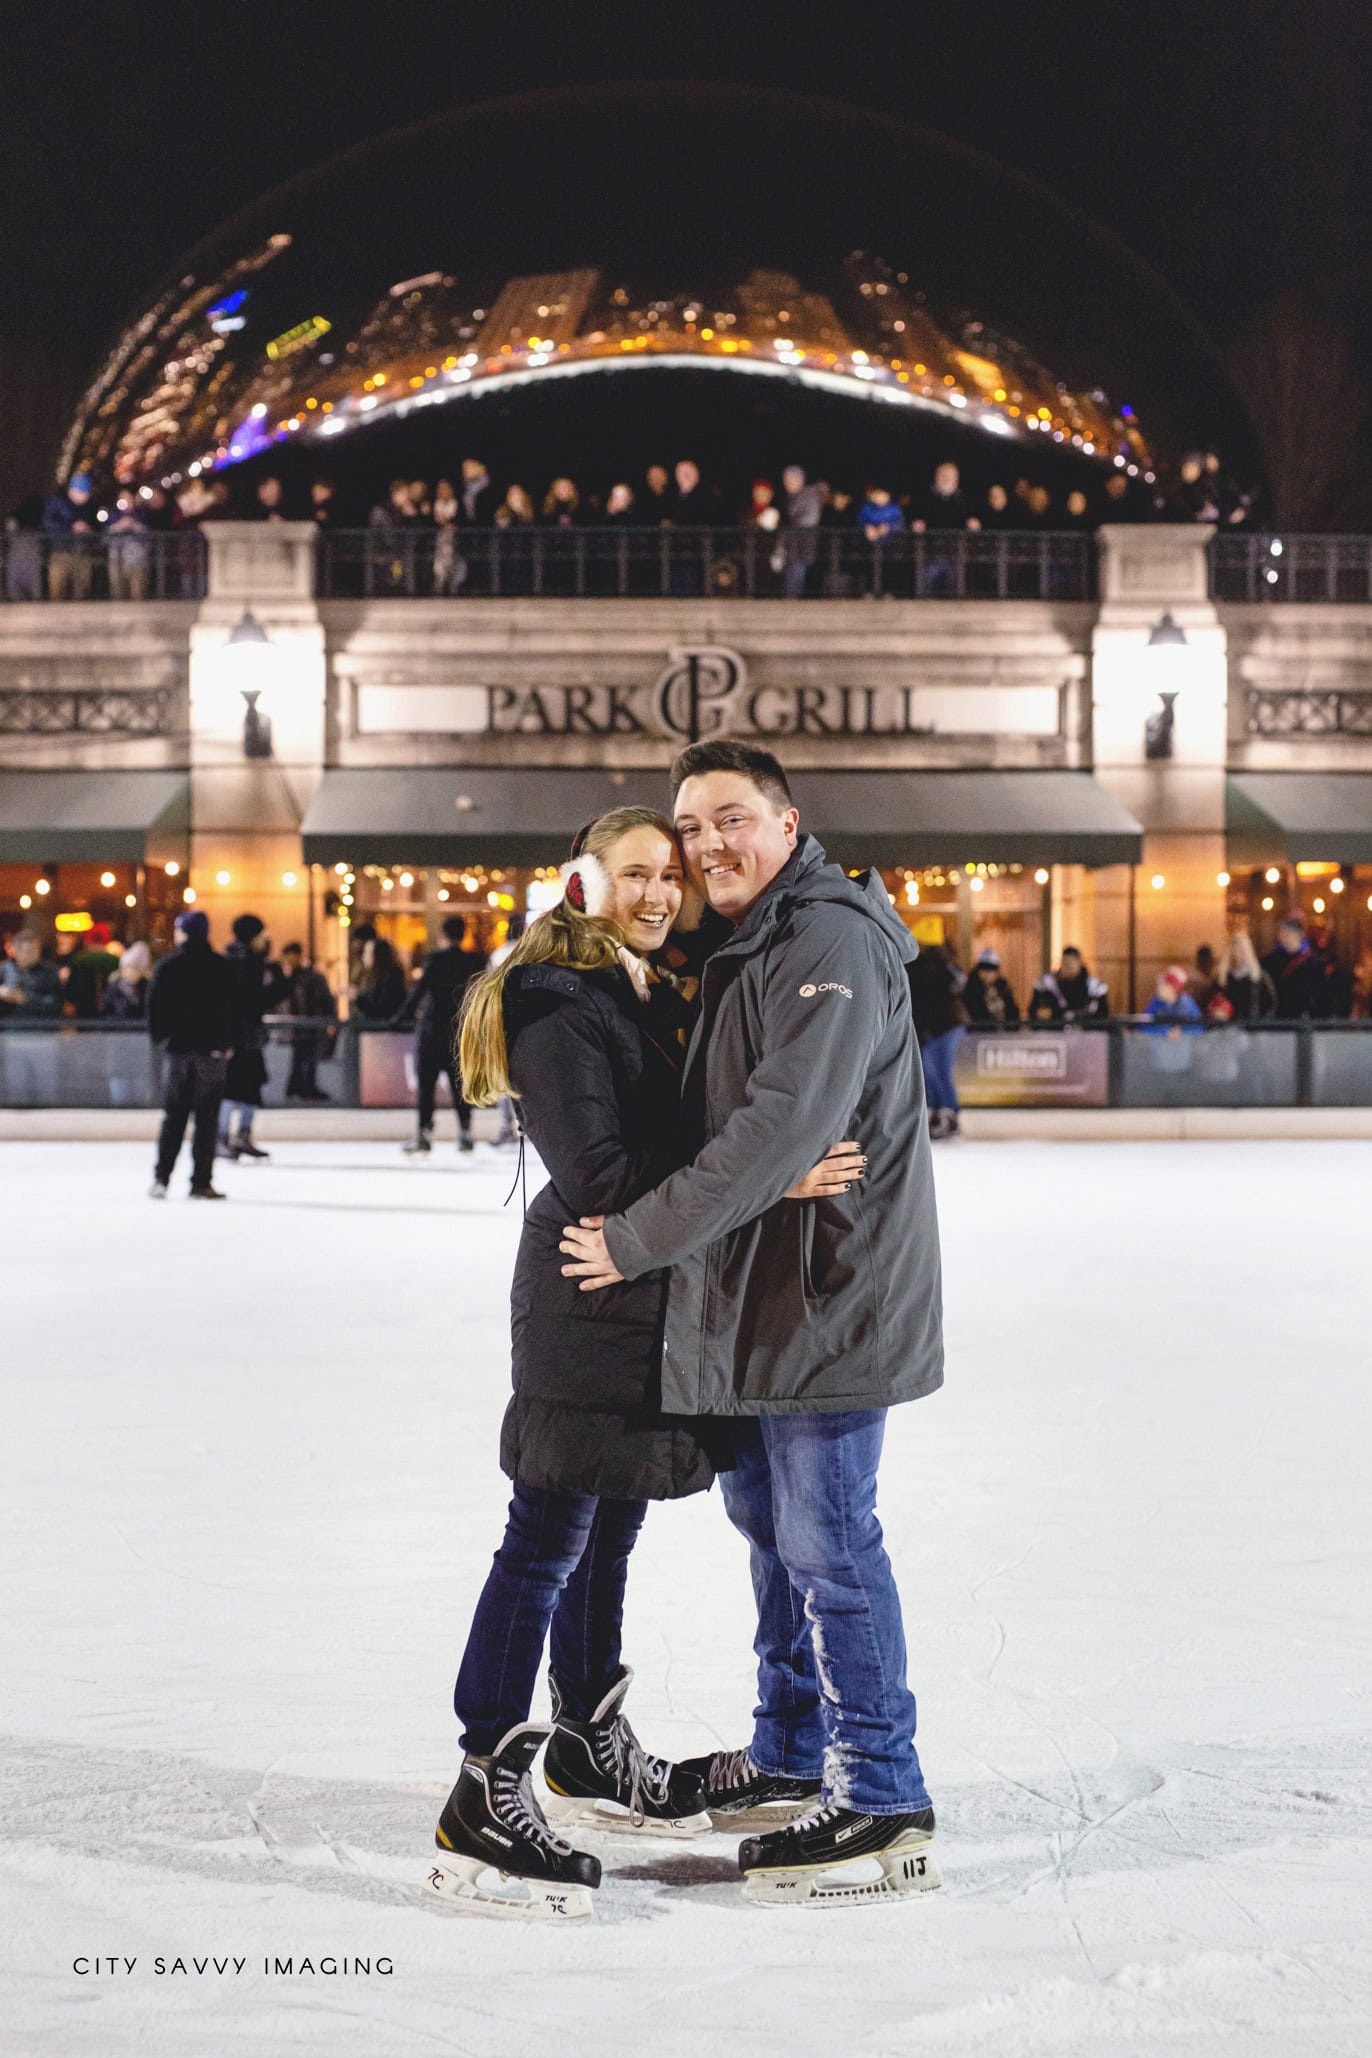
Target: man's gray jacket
{"x": 805, "y": 1038}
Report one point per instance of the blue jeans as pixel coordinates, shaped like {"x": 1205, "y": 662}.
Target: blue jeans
{"x": 937, "y": 1057}
{"x": 832, "y": 1699}
{"x": 564, "y": 1561}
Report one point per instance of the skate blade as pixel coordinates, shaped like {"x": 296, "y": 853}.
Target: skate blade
{"x": 909, "y": 1869}
{"x": 576, "y": 1811}
{"x": 461, "y": 1884}
{"x": 766, "y": 1816}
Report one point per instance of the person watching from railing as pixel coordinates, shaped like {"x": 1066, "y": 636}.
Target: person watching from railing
{"x": 449, "y": 565}
{"x": 127, "y": 549}
{"x": 997, "y": 515}
{"x": 1242, "y": 983}
{"x": 88, "y": 971}
{"x": 380, "y": 991}
{"x": 125, "y": 998}
{"x": 1070, "y": 997}
{"x": 658, "y": 498}
{"x": 691, "y": 504}
{"x": 1299, "y": 975}
{"x": 323, "y": 503}
{"x": 937, "y": 986}
{"x": 479, "y": 497}
{"x": 1172, "y": 1012}
{"x": 561, "y": 507}
{"x": 70, "y": 527}
{"x": 945, "y": 506}
{"x": 30, "y": 989}
{"x": 269, "y": 501}
{"x": 620, "y": 511}
{"x": 988, "y": 996}
{"x": 23, "y": 549}
{"x": 802, "y": 507}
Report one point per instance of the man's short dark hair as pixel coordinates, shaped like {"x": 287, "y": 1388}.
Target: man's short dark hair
{"x": 725, "y": 755}
{"x": 289, "y": 950}
{"x": 454, "y": 928}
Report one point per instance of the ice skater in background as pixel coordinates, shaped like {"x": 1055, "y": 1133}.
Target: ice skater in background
{"x": 802, "y": 1325}
{"x": 437, "y": 1002}
{"x": 578, "y": 1023}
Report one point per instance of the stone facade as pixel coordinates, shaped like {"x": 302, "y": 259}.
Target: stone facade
{"x": 842, "y": 684}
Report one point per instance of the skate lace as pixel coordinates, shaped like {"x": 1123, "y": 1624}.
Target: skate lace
{"x": 815, "y": 1819}
{"x": 629, "y": 1765}
{"x": 513, "y": 1802}
{"x": 730, "y": 1770}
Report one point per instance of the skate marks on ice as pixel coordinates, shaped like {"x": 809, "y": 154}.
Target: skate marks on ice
{"x": 1000, "y": 1841}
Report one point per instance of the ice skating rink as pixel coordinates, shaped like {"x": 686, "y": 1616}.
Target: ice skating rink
{"x": 250, "y": 1493}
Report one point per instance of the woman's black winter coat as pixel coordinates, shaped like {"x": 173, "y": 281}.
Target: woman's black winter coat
{"x": 598, "y": 1073}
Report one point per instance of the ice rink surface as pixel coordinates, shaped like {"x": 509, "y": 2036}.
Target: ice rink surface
{"x": 250, "y": 1493}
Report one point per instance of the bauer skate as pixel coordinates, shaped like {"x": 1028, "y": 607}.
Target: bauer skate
{"x": 738, "y": 1796}
{"x": 599, "y": 1776}
{"x": 497, "y": 1855}
{"x": 839, "y": 1854}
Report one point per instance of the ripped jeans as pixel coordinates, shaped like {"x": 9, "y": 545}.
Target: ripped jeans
{"x": 832, "y": 1698}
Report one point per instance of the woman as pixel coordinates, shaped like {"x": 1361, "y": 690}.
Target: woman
{"x": 578, "y": 1025}
{"x": 1243, "y": 983}
{"x": 380, "y": 991}
{"x": 125, "y": 999}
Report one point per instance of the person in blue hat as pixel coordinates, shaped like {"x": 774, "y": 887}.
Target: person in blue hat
{"x": 70, "y": 526}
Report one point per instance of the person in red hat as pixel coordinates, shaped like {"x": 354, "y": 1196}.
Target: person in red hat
{"x": 89, "y": 971}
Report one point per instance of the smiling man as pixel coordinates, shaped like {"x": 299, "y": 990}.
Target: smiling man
{"x": 805, "y": 1320}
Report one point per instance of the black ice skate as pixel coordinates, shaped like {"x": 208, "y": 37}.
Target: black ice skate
{"x": 749, "y": 1799}
{"x": 839, "y": 1854}
{"x": 497, "y": 1855}
{"x": 599, "y": 1774}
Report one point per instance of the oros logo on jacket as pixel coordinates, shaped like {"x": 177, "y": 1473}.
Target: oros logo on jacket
{"x": 808, "y": 992}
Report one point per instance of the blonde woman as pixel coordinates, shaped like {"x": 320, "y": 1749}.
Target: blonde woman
{"x": 1242, "y": 981}
{"x": 579, "y": 1025}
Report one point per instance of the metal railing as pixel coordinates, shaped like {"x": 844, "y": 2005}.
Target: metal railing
{"x": 1123, "y": 1063}
{"x": 679, "y": 564}
{"x": 1299, "y": 568}
{"x": 133, "y": 565}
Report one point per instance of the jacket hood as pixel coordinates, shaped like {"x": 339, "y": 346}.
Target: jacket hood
{"x": 808, "y": 876}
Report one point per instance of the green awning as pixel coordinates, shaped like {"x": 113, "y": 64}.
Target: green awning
{"x": 1303, "y": 817}
{"x": 428, "y": 817}
{"x": 93, "y": 817}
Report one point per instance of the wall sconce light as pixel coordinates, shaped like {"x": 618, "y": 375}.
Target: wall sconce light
{"x": 1165, "y": 636}
{"x": 248, "y": 643}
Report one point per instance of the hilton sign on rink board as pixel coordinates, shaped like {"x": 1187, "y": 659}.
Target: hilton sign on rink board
{"x": 1038, "y": 1068}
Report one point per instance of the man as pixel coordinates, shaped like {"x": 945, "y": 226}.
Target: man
{"x": 30, "y": 990}
{"x": 304, "y": 991}
{"x": 437, "y": 1001}
{"x": 989, "y": 997}
{"x": 1069, "y": 996}
{"x": 945, "y": 509}
{"x": 69, "y": 525}
{"x": 802, "y": 508}
{"x": 256, "y": 988}
{"x": 1299, "y": 974}
{"x": 190, "y": 1018}
{"x": 804, "y": 1321}
{"x": 89, "y": 970}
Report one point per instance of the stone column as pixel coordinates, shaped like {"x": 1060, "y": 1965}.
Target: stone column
{"x": 246, "y": 812}
{"x": 1145, "y": 572}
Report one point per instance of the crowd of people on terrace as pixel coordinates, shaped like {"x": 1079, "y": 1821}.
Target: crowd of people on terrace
{"x": 54, "y": 540}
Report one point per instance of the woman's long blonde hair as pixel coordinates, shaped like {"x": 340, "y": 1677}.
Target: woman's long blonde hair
{"x": 561, "y": 936}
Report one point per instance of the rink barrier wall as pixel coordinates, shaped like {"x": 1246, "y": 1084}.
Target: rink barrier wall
{"x": 1125, "y": 1064}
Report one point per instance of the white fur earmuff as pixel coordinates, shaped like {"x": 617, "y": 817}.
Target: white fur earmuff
{"x": 585, "y": 884}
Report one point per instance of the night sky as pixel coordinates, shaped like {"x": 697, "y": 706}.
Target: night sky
{"x": 1229, "y": 146}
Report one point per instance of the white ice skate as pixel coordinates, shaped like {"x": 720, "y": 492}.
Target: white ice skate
{"x": 474, "y": 1886}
